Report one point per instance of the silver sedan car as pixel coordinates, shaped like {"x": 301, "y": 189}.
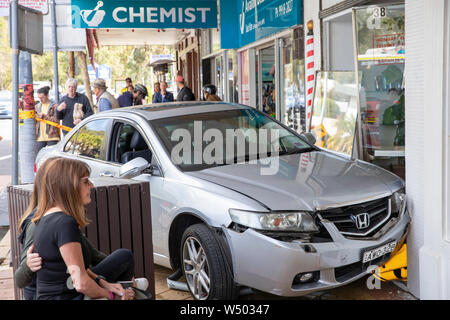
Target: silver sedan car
{"x": 289, "y": 221}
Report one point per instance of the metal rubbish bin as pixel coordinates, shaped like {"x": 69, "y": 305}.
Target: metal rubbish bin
{"x": 120, "y": 215}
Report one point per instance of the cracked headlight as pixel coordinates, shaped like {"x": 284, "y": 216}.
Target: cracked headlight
{"x": 275, "y": 221}
{"x": 398, "y": 201}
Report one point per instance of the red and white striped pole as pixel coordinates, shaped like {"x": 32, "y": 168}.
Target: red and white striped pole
{"x": 310, "y": 72}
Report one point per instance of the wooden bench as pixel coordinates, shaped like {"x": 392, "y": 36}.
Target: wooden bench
{"x": 120, "y": 215}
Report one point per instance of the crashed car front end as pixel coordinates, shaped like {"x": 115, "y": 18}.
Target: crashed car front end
{"x": 338, "y": 247}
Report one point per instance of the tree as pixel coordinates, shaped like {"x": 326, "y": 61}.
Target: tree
{"x": 5, "y": 56}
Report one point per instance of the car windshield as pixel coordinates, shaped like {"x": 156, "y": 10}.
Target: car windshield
{"x": 205, "y": 140}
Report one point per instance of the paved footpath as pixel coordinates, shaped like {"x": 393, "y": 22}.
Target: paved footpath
{"x": 354, "y": 291}
{"x": 6, "y": 272}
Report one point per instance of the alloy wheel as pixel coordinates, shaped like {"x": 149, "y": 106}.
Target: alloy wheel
{"x": 196, "y": 268}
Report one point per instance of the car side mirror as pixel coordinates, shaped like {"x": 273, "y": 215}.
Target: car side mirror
{"x": 309, "y": 137}
{"x": 133, "y": 168}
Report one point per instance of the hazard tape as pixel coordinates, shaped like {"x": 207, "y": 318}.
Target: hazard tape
{"x": 32, "y": 114}
{"x": 54, "y": 124}
{"x": 27, "y": 114}
{"x": 381, "y": 58}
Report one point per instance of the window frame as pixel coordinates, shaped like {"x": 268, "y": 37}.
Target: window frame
{"x": 114, "y": 140}
{"x": 107, "y": 136}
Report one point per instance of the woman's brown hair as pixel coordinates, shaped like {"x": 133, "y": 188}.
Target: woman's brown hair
{"x": 61, "y": 187}
{"x": 36, "y": 188}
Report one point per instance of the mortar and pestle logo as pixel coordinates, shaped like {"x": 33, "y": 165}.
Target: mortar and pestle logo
{"x": 93, "y": 17}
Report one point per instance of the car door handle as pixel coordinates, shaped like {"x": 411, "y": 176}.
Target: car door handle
{"x": 106, "y": 174}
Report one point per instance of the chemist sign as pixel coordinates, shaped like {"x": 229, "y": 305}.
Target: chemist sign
{"x": 175, "y": 14}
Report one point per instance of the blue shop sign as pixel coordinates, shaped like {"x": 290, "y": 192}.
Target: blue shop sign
{"x": 175, "y": 14}
{"x": 246, "y": 21}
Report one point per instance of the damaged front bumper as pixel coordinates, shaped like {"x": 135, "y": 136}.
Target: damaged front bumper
{"x": 273, "y": 266}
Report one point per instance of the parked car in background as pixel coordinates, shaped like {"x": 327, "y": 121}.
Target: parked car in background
{"x": 5, "y": 105}
{"x": 319, "y": 222}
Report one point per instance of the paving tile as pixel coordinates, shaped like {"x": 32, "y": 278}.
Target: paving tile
{"x": 355, "y": 291}
{"x": 173, "y": 295}
{"x": 6, "y": 284}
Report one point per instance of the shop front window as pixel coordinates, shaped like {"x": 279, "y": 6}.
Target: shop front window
{"x": 244, "y": 96}
{"x": 380, "y": 47}
{"x": 335, "y": 108}
{"x": 267, "y": 89}
{"x": 232, "y": 76}
{"x": 293, "y": 86}
{"x": 219, "y": 71}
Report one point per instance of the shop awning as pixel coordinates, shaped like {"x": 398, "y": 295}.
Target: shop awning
{"x": 140, "y": 37}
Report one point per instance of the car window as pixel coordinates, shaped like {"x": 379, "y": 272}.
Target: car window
{"x": 126, "y": 132}
{"x": 69, "y": 145}
{"x": 221, "y": 145}
{"x": 92, "y": 139}
{"x": 130, "y": 145}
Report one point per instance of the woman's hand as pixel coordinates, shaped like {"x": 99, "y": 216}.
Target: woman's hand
{"x": 128, "y": 295}
{"x": 116, "y": 288}
{"x": 34, "y": 261}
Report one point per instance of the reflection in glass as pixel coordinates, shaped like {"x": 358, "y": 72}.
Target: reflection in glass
{"x": 233, "y": 76}
{"x": 268, "y": 94}
{"x": 381, "y": 62}
{"x": 244, "y": 96}
{"x": 293, "y": 87}
{"x": 91, "y": 140}
{"x": 70, "y": 145}
{"x": 335, "y": 108}
{"x": 219, "y": 70}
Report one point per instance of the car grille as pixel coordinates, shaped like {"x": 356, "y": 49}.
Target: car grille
{"x": 344, "y": 218}
{"x": 350, "y": 271}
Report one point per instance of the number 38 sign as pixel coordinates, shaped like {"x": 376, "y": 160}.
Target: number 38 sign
{"x": 375, "y": 16}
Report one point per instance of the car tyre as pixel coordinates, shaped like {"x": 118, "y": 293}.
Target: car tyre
{"x": 205, "y": 267}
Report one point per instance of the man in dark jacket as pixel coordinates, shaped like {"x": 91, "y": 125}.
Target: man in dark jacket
{"x": 125, "y": 99}
{"x": 163, "y": 95}
{"x": 71, "y": 102}
{"x": 184, "y": 93}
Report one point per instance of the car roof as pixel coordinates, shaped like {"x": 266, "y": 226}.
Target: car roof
{"x": 174, "y": 109}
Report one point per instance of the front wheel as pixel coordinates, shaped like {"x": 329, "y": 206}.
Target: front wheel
{"x": 204, "y": 265}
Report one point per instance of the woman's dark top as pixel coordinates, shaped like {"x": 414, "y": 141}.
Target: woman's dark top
{"x": 52, "y": 232}
{"x": 24, "y": 277}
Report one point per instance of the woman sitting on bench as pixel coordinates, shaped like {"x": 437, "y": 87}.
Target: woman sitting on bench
{"x": 63, "y": 274}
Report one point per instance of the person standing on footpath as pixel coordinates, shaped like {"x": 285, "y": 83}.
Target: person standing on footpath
{"x": 126, "y": 99}
{"x": 156, "y": 91}
{"x": 46, "y": 135}
{"x": 139, "y": 94}
{"x": 73, "y": 102}
{"x": 163, "y": 95}
{"x": 184, "y": 93}
{"x": 105, "y": 100}
{"x": 134, "y": 98}
{"x": 128, "y": 84}
{"x": 209, "y": 93}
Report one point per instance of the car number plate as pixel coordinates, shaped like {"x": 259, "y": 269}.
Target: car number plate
{"x": 378, "y": 252}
